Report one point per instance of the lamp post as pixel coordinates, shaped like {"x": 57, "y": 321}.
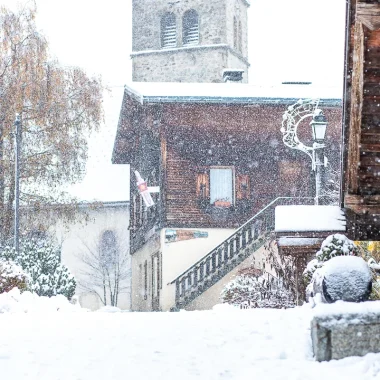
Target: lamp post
{"x": 291, "y": 119}
{"x": 17, "y": 181}
{"x": 318, "y": 125}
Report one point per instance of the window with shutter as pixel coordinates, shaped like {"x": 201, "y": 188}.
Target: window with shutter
{"x": 190, "y": 23}
{"x": 242, "y": 187}
{"x": 168, "y": 31}
{"x": 203, "y": 188}
{"x": 221, "y": 186}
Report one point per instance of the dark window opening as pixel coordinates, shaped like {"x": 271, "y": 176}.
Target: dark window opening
{"x": 190, "y": 28}
{"x": 168, "y": 31}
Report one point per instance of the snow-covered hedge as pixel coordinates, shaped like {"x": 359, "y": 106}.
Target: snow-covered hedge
{"x": 248, "y": 291}
{"x": 40, "y": 260}
{"x": 16, "y": 302}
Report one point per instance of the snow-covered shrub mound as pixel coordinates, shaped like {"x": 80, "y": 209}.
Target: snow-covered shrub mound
{"x": 336, "y": 273}
{"x": 347, "y": 279}
{"x": 40, "y": 260}
{"x": 12, "y": 276}
{"x": 336, "y": 245}
{"x": 16, "y": 302}
{"x": 249, "y": 292}
{"x": 333, "y": 246}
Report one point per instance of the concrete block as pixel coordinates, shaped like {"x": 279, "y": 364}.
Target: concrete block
{"x": 339, "y": 335}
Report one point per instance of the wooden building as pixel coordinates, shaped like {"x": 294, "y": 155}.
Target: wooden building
{"x": 216, "y": 153}
{"x": 361, "y": 135}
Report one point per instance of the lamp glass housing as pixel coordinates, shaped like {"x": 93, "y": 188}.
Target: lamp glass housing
{"x": 319, "y": 125}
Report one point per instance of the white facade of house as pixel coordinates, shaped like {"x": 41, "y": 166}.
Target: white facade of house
{"x": 78, "y": 238}
{"x": 152, "y": 282}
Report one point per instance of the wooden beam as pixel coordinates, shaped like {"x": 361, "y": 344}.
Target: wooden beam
{"x": 368, "y": 15}
{"x": 356, "y": 108}
{"x": 362, "y": 204}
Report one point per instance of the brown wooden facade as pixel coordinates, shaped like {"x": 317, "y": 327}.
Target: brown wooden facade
{"x": 361, "y": 157}
{"x": 174, "y": 145}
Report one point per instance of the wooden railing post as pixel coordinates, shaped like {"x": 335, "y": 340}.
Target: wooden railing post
{"x": 177, "y": 291}
{"x": 213, "y": 262}
{"x": 225, "y": 252}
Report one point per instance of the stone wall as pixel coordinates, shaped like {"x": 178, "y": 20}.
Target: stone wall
{"x": 195, "y": 64}
{"x": 202, "y": 63}
{"x": 146, "y": 16}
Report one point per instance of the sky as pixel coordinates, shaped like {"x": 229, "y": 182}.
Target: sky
{"x": 294, "y": 40}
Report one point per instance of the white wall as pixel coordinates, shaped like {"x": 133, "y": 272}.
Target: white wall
{"x": 179, "y": 256}
{"x": 144, "y": 254}
{"x": 74, "y": 238}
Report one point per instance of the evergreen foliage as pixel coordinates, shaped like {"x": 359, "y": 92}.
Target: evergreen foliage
{"x": 336, "y": 245}
{"x": 40, "y": 260}
{"x": 12, "y": 276}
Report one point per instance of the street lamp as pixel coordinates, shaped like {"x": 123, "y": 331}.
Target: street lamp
{"x": 17, "y": 136}
{"x": 318, "y": 125}
{"x": 291, "y": 119}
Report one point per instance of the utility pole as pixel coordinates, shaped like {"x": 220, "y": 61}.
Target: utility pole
{"x": 17, "y": 181}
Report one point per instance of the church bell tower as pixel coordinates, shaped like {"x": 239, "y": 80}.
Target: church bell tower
{"x": 189, "y": 40}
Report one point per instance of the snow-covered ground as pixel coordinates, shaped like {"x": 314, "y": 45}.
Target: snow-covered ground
{"x": 224, "y": 343}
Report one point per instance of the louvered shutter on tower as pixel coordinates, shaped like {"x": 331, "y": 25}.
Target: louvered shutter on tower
{"x": 190, "y": 28}
{"x": 168, "y": 31}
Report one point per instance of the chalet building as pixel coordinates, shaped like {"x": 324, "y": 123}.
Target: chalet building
{"x": 189, "y": 41}
{"x": 361, "y": 134}
{"x": 216, "y": 153}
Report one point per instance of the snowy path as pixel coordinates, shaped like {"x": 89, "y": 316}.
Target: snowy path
{"x": 221, "y": 344}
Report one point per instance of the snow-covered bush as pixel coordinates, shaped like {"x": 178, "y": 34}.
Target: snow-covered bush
{"x": 40, "y": 260}
{"x": 26, "y": 302}
{"x": 336, "y": 245}
{"x": 250, "y": 291}
{"x": 12, "y": 276}
{"x": 346, "y": 278}
{"x": 333, "y": 246}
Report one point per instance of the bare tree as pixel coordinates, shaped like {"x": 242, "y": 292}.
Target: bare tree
{"x": 106, "y": 270}
{"x": 59, "y": 107}
{"x": 331, "y": 187}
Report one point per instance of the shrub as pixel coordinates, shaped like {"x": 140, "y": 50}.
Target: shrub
{"x": 336, "y": 245}
{"x": 333, "y": 246}
{"x": 250, "y": 291}
{"x": 12, "y": 276}
{"x": 40, "y": 259}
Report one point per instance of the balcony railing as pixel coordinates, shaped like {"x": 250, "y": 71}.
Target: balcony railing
{"x": 230, "y": 253}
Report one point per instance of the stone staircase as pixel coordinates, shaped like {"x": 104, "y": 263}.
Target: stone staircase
{"x": 230, "y": 253}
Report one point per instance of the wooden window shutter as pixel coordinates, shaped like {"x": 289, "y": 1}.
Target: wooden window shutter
{"x": 203, "y": 185}
{"x": 243, "y": 188}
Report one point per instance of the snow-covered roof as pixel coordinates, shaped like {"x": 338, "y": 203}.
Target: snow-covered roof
{"x": 309, "y": 218}
{"x": 298, "y": 241}
{"x": 171, "y": 92}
